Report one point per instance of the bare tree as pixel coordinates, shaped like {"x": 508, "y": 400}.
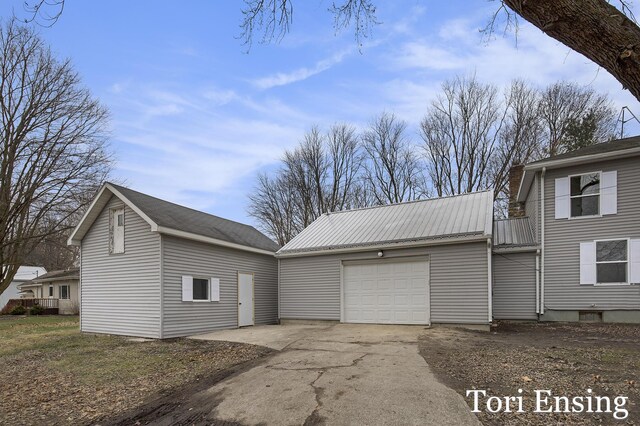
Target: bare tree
{"x": 461, "y": 132}
{"x": 563, "y": 105}
{"x": 53, "y": 155}
{"x": 519, "y": 139}
{"x": 393, "y": 172}
{"x": 320, "y": 175}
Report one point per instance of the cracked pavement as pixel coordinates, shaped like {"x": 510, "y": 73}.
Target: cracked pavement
{"x": 342, "y": 374}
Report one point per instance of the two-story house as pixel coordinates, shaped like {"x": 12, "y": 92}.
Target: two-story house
{"x": 584, "y": 212}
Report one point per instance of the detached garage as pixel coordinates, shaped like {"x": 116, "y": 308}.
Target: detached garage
{"x": 419, "y": 262}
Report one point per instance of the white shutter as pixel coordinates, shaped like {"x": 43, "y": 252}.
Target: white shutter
{"x": 563, "y": 202}
{"x": 187, "y": 288}
{"x": 609, "y": 192}
{"x": 588, "y": 263}
{"x": 214, "y": 291}
{"x": 634, "y": 262}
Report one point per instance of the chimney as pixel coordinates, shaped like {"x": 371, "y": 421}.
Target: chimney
{"x": 516, "y": 209}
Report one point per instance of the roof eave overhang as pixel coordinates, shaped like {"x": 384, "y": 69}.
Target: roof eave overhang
{"x": 386, "y": 246}
{"x": 515, "y": 249}
{"x": 531, "y": 169}
{"x": 209, "y": 240}
{"x": 96, "y": 207}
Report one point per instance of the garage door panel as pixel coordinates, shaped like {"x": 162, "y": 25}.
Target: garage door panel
{"x": 387, "y": 292}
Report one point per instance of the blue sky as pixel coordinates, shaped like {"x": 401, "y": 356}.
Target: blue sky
{"x": 194, "y": 117}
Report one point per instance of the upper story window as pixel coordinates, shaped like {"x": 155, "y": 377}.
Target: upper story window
{"x": 585, "y": 195}
{"x": 116, "y": 231}
{"x": 592, "y": 194}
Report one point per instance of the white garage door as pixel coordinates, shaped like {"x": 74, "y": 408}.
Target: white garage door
{"x": 387, "y": 292}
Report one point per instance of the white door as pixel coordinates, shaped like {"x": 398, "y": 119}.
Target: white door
{"x": 245, "y": 299}
{"x": 387, "y": 292}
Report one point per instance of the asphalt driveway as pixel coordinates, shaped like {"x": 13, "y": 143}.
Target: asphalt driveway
{"x": 339, "y": 374}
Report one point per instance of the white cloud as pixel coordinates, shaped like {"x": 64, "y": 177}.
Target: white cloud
{"x": 300, "y": 74}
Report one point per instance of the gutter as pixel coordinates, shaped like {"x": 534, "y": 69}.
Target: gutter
{"x": 537, "y": 281}
{"x": 542, "y": 217}
{"x": 489, "y": 281}
{"x": 210, "y": 240}
{"x": 573, "y": 161}
{"x": 386, "y": 246}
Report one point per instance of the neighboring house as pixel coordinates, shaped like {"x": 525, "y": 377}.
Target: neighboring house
{"x": 584, "y": 210}
{"x": 61, "y": 285}
{"x": 419, "y": 262}
{"x": 156, "y": 269}
{"x": 25, "y": 273}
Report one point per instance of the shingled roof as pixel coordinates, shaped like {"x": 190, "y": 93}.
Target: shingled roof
{"x": 171, "y": 218}
{"x": 599, "y": 148}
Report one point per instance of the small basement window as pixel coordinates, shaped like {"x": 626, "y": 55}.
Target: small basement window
{"x": 611, "y": 262}
{"x": 200, "y": 289}
{"x": 585, "y": 195}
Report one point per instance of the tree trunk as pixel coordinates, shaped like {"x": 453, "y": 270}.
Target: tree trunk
{"x": 598, "y": 30}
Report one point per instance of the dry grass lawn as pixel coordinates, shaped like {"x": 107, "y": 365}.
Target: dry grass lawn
{"x": 53, "y": 374}
{"x": 565, "y": 358}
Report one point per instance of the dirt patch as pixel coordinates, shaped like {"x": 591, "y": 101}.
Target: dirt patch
{"x": 53, "y": 374}
{"x": 567, "y": 359}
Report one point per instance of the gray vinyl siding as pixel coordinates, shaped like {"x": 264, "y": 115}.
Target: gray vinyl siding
{"x": 120, "y": 293}
{"x": 310, "y": 286}
{"x": 532, "y": 206}
{"x": 514, "y": 286}
{"x": 563, "y": 236}
{"x": 187, "y": 257}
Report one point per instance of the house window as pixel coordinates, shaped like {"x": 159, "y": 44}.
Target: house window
{"x": 200, "y": 289}
{"x": 585, "y": 195}
{"x": 116, "y": 231}
{"x": 50, "y": 291}
{"x": 64, "y": 292}
{"x": 611, "y": 261}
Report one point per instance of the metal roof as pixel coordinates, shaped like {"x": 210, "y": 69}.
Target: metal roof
{"x": 460, "y": 216}
{"x": 513, "y": 232}
{"x": 170, "y": 218}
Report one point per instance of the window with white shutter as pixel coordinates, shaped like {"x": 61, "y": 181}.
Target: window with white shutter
{"x": 634, "y": 261}
{"x": 588, "y": 263}
{"x": 215, "y": 289}
{"x": 562, "y": 199}
{"x": 187, "y": 288}
{"x": 609, "y": 192}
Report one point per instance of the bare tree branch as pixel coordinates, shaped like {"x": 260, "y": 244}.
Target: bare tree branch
{"x": 53, "y": 154}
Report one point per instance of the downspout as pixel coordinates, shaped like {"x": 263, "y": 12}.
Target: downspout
{"x": 538, "y": 281}
{"x": 542, "y": 216}
{"x": 279, "y": 291}
{"x": 490, "y": 280}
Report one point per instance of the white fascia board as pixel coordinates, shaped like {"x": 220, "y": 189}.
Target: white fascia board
{"x": 566, "y": 162}
{"x": 154, "y": 226}
{"x": 74, "y": 241}
{"x": 201, "y": 238}
{"x": 388, "y": 246}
